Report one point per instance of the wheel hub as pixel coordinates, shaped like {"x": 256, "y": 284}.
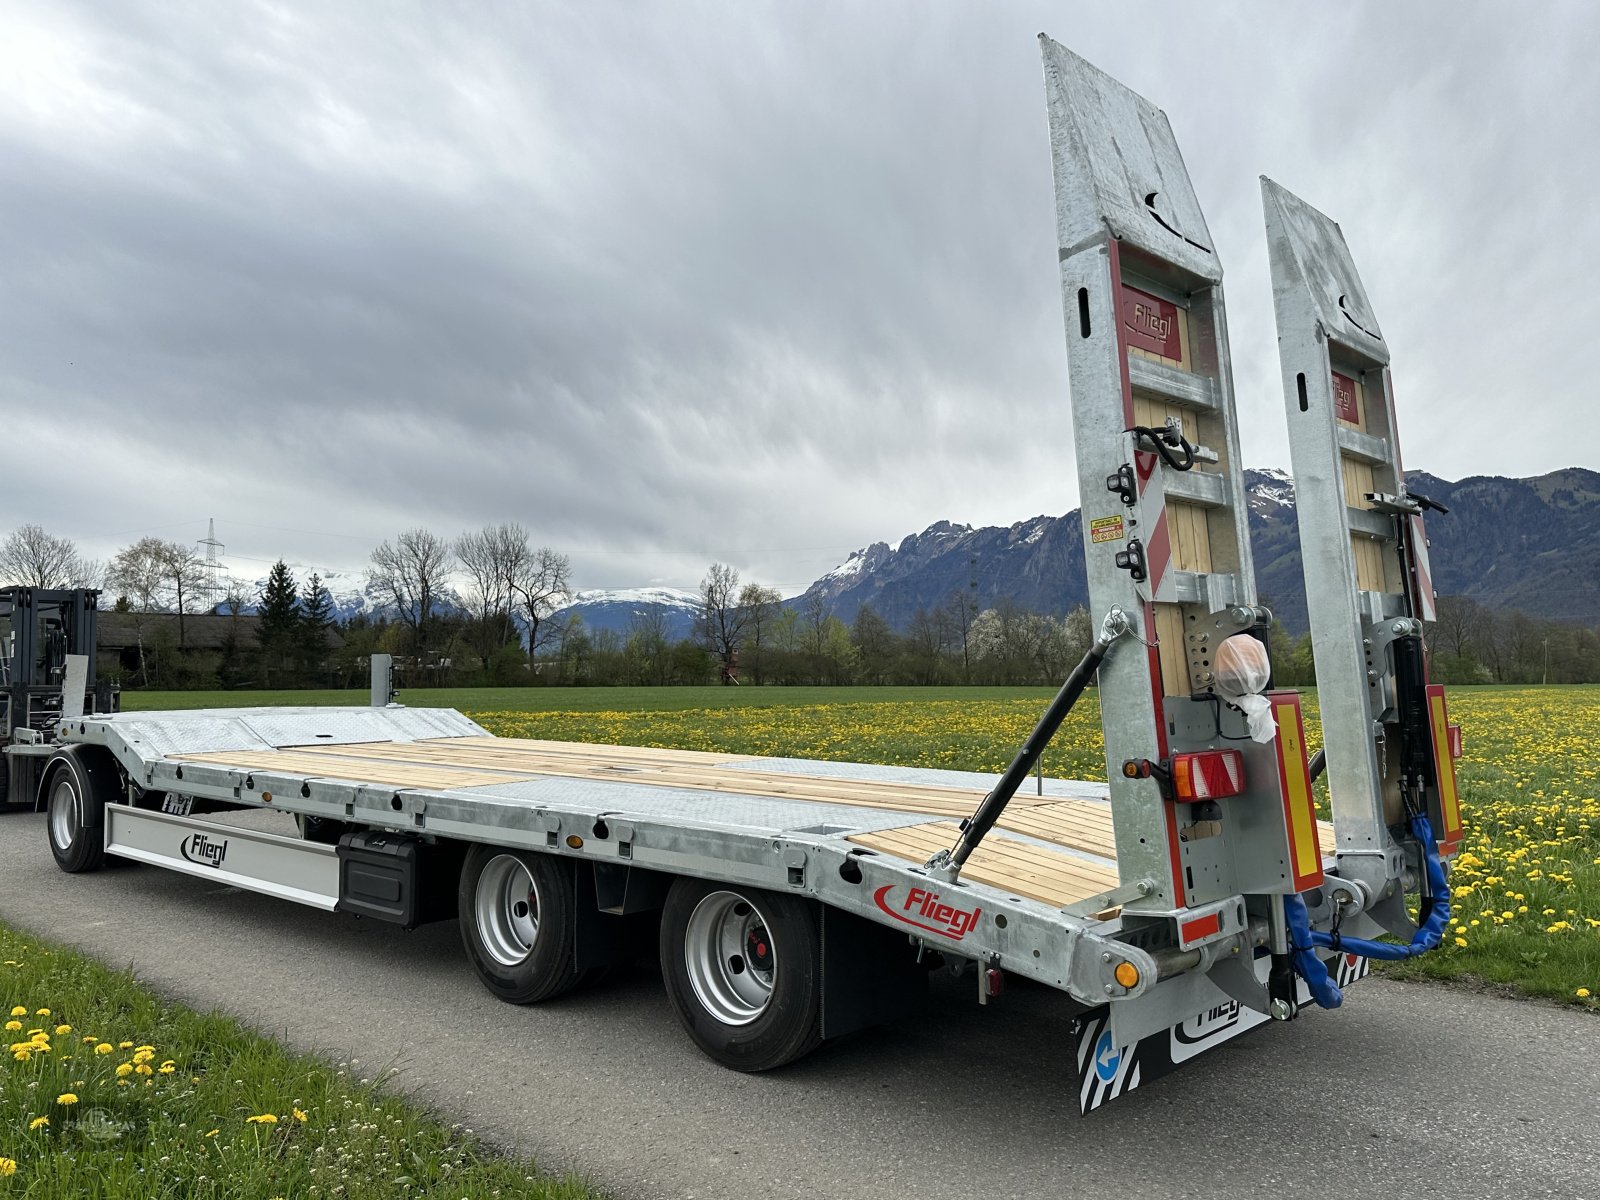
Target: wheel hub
{"x": 730, "y": 957}
{"x": 506, "y": 908}
{"x": 63, "y": 823}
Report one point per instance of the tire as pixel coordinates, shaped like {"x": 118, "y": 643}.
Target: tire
{"x": 743, "y": 1015}
{"x": 76, "y": 790}
{"x": 516, "y": 917}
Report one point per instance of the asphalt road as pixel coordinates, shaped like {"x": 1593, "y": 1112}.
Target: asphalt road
{"x": 1408, "y": 1091}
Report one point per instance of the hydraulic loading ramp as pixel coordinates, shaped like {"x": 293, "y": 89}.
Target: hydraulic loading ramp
{"x": 1364, "y": 549}
{"x": 1164, "y": 513}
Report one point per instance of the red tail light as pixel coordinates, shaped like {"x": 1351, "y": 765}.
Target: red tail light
{"x": 1207, "y": 775}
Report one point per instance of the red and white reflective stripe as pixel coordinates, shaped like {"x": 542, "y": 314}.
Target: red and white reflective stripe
{"x": 1199, "y": 928}
{"x": 1207, "y": 775}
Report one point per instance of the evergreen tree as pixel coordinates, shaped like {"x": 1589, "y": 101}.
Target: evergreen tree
{"x": 316, "y": 619}
{"x": 279, "y": 630}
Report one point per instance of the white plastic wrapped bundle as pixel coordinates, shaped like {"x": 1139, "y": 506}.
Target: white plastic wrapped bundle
{"x": 1242, "y": 669}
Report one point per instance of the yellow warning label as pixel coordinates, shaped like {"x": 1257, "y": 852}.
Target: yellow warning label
{"x": 1105, "y": 529}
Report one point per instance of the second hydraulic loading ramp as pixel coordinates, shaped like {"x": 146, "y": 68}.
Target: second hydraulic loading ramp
{"x": 1165, "y": 534}
{"x": 1365, "y": 553}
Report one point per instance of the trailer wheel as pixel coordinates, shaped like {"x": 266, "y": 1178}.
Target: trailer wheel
{"x": 75, "y": 796}
{"x": 743, "y": 969}
{"x": 517, "y": 923}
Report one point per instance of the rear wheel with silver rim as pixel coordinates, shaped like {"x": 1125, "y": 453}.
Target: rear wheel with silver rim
{"x": 77, "y": 787}
{"x": 743, "y": 972}
{"x": 516, "y": 917}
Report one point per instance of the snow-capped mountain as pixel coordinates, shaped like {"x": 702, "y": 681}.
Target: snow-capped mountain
{"x": 1037, "y": 564}
{"x": 622, "y": 609}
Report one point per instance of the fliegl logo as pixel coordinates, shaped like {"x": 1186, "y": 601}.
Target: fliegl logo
{"x": 925, "y": 910}
{"x": 198, "y": 848}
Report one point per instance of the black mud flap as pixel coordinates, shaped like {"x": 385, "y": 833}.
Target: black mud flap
{"x": 1107, "y": 1069}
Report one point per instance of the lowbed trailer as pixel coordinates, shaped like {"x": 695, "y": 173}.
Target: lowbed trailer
{"x": 425, "y": 814}
{"x": 1191, "y": 897}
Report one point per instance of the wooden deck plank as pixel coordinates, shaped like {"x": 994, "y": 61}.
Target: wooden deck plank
{"x": 445, "y": 763}
{"x": 320, "y": 766}
{"x": 942, "y": 801}
{"x": 1016, "y": 867}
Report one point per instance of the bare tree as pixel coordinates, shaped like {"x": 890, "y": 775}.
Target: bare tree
{"x": 929, "y": 638}
{"x": 492, "y": 558}
{"x": 1460, "y": 623}
{"x": 962, "y": 608}
{"x": 408, "y": 575}
{"x": 137, "y": 572}
{"x": 30, "y": 557}
{"x": 541, "y": 584}
{"x": 722, "y": 618}
{"x": 648, "y": 648}
{"x": 760, "y": 605}
{"x": 186, "y": 577}
{"x": 236, "y": 593}
{"x": 158, "y": 576}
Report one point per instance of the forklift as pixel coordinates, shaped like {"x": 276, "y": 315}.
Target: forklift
{"x": 47, "y": 672}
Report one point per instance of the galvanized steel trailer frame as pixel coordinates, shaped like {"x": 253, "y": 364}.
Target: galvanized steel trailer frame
{"x": 797, "y": 846}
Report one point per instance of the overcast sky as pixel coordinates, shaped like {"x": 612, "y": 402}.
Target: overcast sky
{"x": 758, "y": 283}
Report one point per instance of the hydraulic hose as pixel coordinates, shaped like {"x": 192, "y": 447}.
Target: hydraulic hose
{"x": 1430, "y": 930}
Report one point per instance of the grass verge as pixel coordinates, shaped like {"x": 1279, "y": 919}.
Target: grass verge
{"x": 106, "y": 1090}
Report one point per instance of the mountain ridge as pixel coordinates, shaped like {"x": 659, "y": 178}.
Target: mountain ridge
{"x": 1481, "y": 549}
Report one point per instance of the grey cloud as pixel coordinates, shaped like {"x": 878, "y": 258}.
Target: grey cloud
{"x": 760, "y": 283}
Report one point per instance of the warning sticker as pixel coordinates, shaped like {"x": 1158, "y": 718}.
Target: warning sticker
{"x": 1105, "y": 529}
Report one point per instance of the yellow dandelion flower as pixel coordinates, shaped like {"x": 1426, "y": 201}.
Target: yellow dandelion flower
{"x": 104, "y": 1048}
{"x": 22, "y": 1055}
{"x": 13, "y": 1026}
{"x": 167, "y": 1068}
{"x": 41, "y": 1012}
{"x": 38, "y": 1123}
{"x": 263, "y": 1119}
{"x": 299, "y": 1115}
{"x": 89, "y": 1037}
{"x": 8, "y": 1167}
{"x": 1461, "y": 942}
{"x": 212, "y": 1132}
{"x": 143, "y": 1055}
{"x": 1583, "y": 993}
{"x": 124, "y": 1070}
{"x": 67, "y": 1098}
{"x": 19, "y": 1011}
{"x": 145, "y": 1069}
{"x": 124, "y": 1045}
{"x": 63, "y": 1030}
